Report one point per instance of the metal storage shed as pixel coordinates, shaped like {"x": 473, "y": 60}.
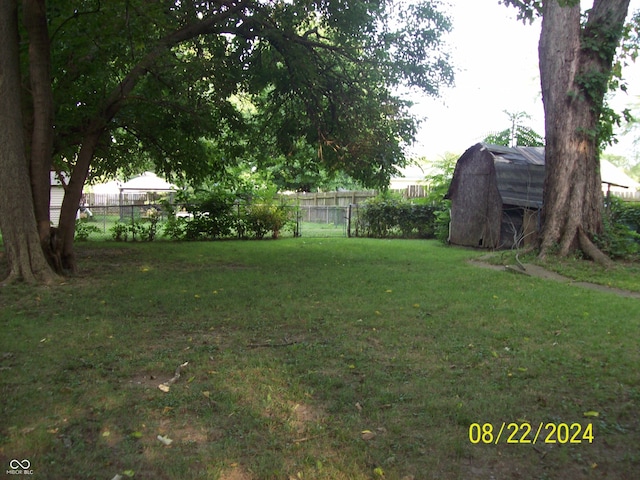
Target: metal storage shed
{"x": 496, "y": 193}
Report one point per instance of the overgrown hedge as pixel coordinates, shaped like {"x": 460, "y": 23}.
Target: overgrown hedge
{"x": 391, "y": 217}
{"x": 621, "y": 237}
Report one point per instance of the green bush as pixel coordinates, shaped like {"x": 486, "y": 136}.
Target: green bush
{"x": 627, "y": 213}
{"x": 389, "y": 215}
{"x": 258, "y": 220}
{"x": 621, "y": 236}
{"x": 120, "y": 232}
{"x": 83, "y": 230}
{"x": 213, "y": 217}
{"x": 139, "y": 230}
{"x": 442, "y": 220}
{"x": 175, "y": 227}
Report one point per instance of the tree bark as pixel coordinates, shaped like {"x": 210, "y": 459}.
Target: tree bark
{"x": 575, "y": 67}
{"x": 17, "y": 219}
{"x": 41, "y": 145}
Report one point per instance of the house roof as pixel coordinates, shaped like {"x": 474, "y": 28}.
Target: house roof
{"x": 612, "y": 175}
{"x": 147, "y": 182}
{"x": 110, "y": 187}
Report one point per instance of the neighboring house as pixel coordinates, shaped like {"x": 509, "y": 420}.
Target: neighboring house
{"x": 147, "y": 183}
{"x": 496, "y": 195}
{"x": 616, "y": 182}
{"x": 56, "y": 196}
{"x": 147, "y": 189}
{"x": 144, "y": 188}
{"x": 107, "y": 193}
{"x": 412, "y": 180}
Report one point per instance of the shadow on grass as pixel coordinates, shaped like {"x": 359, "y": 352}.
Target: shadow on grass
{"x": 334, "y": 359}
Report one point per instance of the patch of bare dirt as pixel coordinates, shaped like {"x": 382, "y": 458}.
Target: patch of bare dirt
{"x": 540, "y": 272}
{"x": 236, "y": 472}
{"x": 148, "y": 380}
{"x": 303, "y": 415}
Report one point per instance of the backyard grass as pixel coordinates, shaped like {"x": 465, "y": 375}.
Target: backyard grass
{"x": 315, "y": 359}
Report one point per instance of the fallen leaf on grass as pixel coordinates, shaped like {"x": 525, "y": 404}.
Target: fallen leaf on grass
{"x": 165, "y": 440}
{"x": 591, "y": 413}
{"x": 367, "y": 435}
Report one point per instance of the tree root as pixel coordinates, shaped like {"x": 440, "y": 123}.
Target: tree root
{"x": 593, "y": 252}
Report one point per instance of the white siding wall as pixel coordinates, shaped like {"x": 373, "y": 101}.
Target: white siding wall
{"x": 57, "y": 194}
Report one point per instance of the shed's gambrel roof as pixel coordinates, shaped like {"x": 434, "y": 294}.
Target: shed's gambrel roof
{"x": 519, "y": 174}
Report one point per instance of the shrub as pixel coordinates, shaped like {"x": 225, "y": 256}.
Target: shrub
{"x": 212, "y": 217}
{"x": 83, "y": 230}
{"x": 442, "y": 220}
{"x": 145, "y": 231}
{"x": 120, "y": 232}
{"x": 262, "y": 219}
{"x": 621, "y": 236}
{"x": 175, "y": 227}
{"x": 389, "y": 215}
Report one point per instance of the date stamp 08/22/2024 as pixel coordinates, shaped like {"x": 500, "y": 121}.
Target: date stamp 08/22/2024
{"x": 526, "y": 433}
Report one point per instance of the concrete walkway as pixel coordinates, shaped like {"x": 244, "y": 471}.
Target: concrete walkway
{"x": 540, "y": 272}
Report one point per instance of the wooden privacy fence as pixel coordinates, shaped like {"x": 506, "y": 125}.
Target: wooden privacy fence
{"x": 345, "y": 198}
{"x": 627, "y": 196}
{"x": 336, "y": 198}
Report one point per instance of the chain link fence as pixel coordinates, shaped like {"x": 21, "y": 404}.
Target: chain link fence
{"x": 310, "y": 221}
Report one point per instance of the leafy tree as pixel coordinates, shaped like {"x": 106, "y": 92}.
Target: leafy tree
{"x": 439, "y": 182}
{"x": 193, "y": 86}
{"x": 577, "y": 55}
{"x": 517, "y": 135}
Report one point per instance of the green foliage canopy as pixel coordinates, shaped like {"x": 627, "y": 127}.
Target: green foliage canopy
{"x": 219, "y": 81}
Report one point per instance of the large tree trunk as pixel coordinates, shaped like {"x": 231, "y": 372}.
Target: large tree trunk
{"x": 17, "y": 220}
{"x": 41, "y": 146}
{"x": 575, "y": 67}
{"x": 72, "y": 197}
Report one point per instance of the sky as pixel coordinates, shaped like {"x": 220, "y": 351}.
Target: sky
{"x": 495, "y": 57}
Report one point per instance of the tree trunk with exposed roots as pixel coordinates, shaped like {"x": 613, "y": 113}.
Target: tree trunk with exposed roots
{"x": 575, "y": 68}
{"x": 22, "y": 244}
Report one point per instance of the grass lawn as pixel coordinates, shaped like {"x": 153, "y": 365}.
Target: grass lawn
{"x": 315, "y": 359}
